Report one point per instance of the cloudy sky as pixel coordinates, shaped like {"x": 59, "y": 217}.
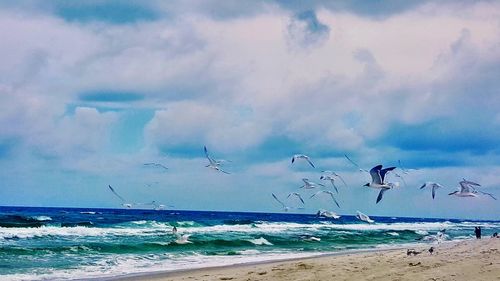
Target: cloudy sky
{"x": 92, "y": 90}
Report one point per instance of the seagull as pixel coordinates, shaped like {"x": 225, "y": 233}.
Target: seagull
{"x": 217, "y": 162}
{"x": 378, "y": 176}
{"x": 126, "y": 205}
{"x": 466, "y": 189}
{"x": 472, "y": 185}
{"x": 363, "y": 217}
{"x": 309, "y": 184}
{"x": 354, "y": 163}
{"x": 298, "y": 196}
{"x": 302, "y": 156}
{"x": 432, "y": 185}
{"x": 336, "y": 175}
{"x": 331, "y": 179}
{"x": 213, "y": 163}
{"x": 285, "y": 207}
{"x": 156, "y": 165}
{"x": 401, "y": 177}
{"x": 327, "y": 192}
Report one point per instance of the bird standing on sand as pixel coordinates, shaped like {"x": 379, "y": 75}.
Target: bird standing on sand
{"x": 302, "y": 156}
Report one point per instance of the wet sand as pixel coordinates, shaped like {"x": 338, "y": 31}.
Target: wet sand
{"x": 463, "y": 260}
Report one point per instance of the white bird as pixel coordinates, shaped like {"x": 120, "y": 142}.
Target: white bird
{"x": 327, "y": 192}
{"x": 124, "y": 204}
{"x": 332, "y": 173}
{"x": 327, "y": 214}
{"x": 285, "y": 207}
{"x": 364, "y": 217}
{"x": 331, "y": 179}
{"x": 213, "y": 163}
{"x": 432, "y": 185}
{"x": 466, "y": 189}
{"x": 157, "y": 165}
{"x": 378, "y": 176}
{"x": 309, "y": 184}
{"x": 297, "y": 195}
{"x": 354, "y": 163}
{"x": 302, "y": 156}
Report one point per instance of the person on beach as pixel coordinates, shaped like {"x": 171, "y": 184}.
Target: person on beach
{"x": 477, "y": 231}
{"x": 495, "y": 235}
{"x": 174, "y": 230}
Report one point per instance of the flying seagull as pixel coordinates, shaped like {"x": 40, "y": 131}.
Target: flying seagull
{"x": 327, "y": 214}
{"x": 432, "y": 185}
{"x": 363, "y": 217}
{"x": 309, "y": 184}
{"x": 327, "y": 192}
{"x": 302, "y": 156}
{"x": 466, "y": 189}
{"x": 331, "y": 179}
{"x": 378, "y": 176}
{"x": 285, "y": 207}
{"x": 213, "y": 163}
{"x": 332, "y": 173}
{"x": 354, "y": 163}
{"x": 297, "y": 195}
{"x": 473, "y": 186}
{"x": 126, "y": 205}
{"x": 157, "y": 165}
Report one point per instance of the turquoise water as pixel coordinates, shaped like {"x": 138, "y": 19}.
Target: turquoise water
{"x": 64, "y": 243}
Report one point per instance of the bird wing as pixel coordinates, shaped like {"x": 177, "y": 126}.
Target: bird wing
{"x": 423, "y": 186}
{"x": 342, "y": 180}
{"x": 219, "y": 169}
{"x": 354, "y": 163}
{"x": 471, "y": 182}
{"x": 486, "y": 193}
{"x": 114, "y": 192}
{"x": 434, "y": 191}
{"x": 380, "y": 195}
{"x": 279, "y": 201}
{"x": 300, "y": 197}
{"x": 464, "y": 187}
{"x": 334, "y": 200}
{"x": 334, "y": 186}
{"x": 383, "y": 172}
{"x": 212, "y": 161}
{"x": 375, "y": 173}
{"x": 309, "y": 161}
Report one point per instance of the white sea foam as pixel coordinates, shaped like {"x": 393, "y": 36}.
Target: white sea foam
{"x": 42, "y": 218}
{"x": 260, "y": 241}
{"x": 393, "y": 233}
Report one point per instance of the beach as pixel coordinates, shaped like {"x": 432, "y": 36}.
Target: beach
{"x": 456, "y": 260}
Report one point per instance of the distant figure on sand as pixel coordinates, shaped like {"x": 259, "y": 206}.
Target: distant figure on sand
{"x": 495, "y": 235}
{"x": 174, "y": 230}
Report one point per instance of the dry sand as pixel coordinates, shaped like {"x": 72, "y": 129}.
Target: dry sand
{"x": 470, "y": 260}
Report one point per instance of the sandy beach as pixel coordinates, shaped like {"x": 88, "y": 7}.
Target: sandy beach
{"x": 462, "y": 260}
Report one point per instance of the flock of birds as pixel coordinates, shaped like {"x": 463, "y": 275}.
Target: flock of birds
{"x": 378, "y": 182}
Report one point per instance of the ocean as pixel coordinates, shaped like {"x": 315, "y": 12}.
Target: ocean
{"x": 71, "y": 243}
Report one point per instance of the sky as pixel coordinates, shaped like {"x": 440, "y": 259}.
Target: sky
{"x": 92, "y": 90}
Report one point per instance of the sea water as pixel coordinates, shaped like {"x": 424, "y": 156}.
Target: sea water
{"x": 70, "y": 243}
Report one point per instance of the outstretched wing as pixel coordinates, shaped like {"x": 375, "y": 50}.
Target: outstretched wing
{"x": 376, "y": 176}
{"x": 381, "y": 194}
{"x": 114, "y": 192}
{"x": 383, "y": 172}
{"x": 279, "y": 201}
{"x": 212, "y": 161}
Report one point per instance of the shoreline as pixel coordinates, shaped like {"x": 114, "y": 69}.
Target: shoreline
{"x": 353, "y": 256}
